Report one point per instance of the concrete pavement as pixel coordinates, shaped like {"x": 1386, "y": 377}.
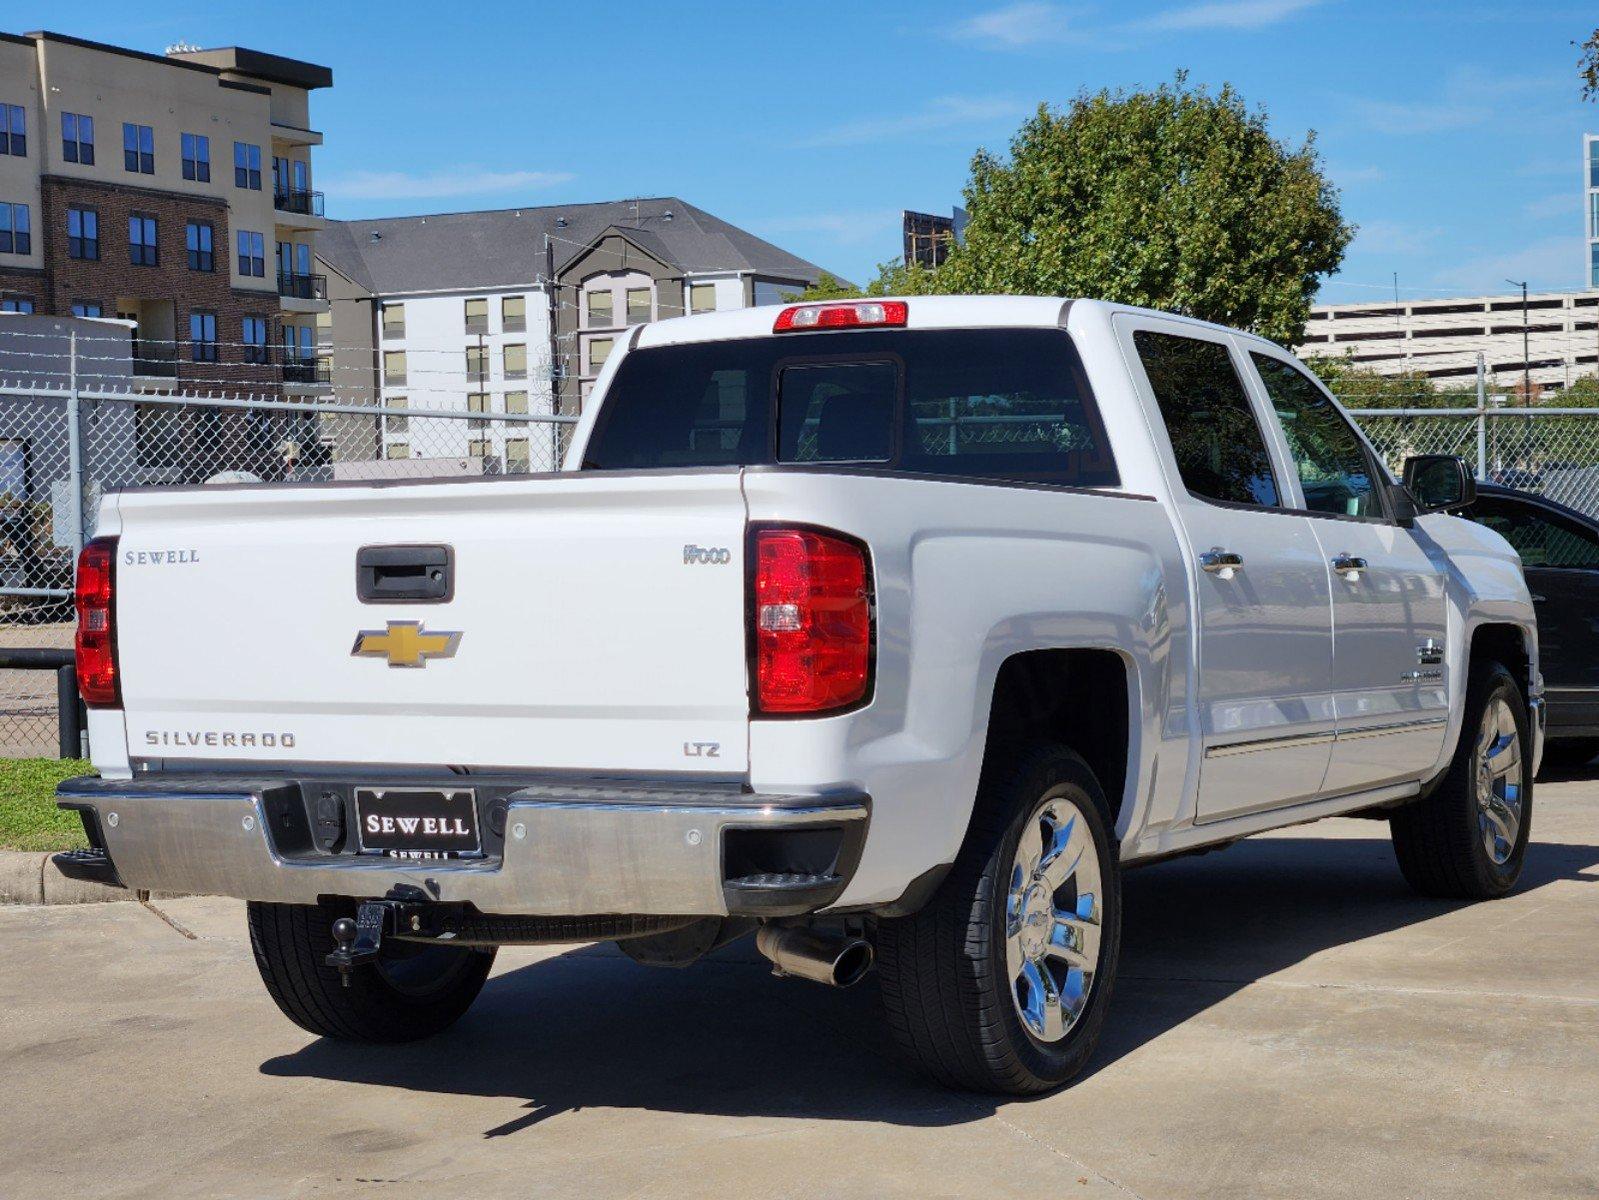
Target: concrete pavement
{"x": 1290, "y": 1021}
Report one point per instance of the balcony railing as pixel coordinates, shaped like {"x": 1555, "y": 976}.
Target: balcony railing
{"x": 303, "y": 287}
{"x": 307, "y": 370}
{"x": 304, "y": 203}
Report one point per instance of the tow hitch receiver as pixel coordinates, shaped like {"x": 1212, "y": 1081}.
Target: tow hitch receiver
{"x": 359, "y": 940}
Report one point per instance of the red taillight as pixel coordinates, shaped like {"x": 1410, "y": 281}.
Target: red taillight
{"x": 813, "y": 622}
{"x": 889, "y": 313}
{"x": 95, "y": 599}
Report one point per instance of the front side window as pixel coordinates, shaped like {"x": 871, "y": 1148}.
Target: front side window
{"x": 1543, "y": 541}
{"x": 1335, "y": 471}
{"x": 247, "y": 166}
{"x": 83, "y": 233}
{"x": 13, "y": 130}
{"x": 198, "y": 238}
{"x": 77, "y": 138}
{"x": 203, "y": 335}
{"x": 252, "y": 254}
{"x": 1220, "y": 450}
{"x": 197, "y": 157}
{"x": 1011, "y": 404}
{"x": 141, "y": 241}
{"x": 138, "y": 148}
{"x": 16, "y": 229}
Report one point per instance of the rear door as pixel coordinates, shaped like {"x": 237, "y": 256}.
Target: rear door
{"x": 1265, "y": 627}
{"x": 591, "y": 621}
{"x": 1390, "y": 689}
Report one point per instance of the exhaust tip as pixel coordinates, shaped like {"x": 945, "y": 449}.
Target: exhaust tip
{"x": 821, "y": 958}
{"x": 852, "y": 963}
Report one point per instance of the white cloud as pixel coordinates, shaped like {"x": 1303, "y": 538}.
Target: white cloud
{"x": 848, "y": 228}
{"x": 1023, "y": 24}
{"x": 1226, "y": 14}
{"x": 1393, "y": 237}
{"x": 946, "y": 112}
{"x": 1468, "y": 98}
{"x": 1561, "y": 204}
{"x": 383, "y": 185}
{"x": 1552, "y": 264}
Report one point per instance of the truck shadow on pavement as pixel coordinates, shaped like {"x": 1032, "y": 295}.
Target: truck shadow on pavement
{"x": 591, "y": 1029}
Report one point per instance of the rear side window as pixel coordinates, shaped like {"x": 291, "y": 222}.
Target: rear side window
{"x": 1220, "y": 450}
{"x": 1010, "y": 404}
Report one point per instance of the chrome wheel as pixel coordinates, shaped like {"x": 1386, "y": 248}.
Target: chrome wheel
{"x": 1053, "y": 915}
{"x": 1499, "y": 780}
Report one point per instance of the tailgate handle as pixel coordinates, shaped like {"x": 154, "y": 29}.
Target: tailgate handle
{"x": 398, "y": 574}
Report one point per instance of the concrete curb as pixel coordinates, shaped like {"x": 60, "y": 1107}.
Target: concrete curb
{"x": 29, "y": 877}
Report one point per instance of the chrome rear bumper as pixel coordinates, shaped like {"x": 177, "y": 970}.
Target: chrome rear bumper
{"x": 568, "y": 849}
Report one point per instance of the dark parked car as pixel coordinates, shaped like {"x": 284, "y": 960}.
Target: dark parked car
{"x": 1559, "y": 550}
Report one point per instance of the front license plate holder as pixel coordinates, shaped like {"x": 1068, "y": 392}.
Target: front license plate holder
{"x": 417, "y": 823}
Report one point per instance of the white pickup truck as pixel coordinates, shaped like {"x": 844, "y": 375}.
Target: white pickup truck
{"x": 889, "y": 629}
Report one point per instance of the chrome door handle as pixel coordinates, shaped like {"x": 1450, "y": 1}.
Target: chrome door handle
{"x": 1349, "y": 565}
{"x": 1221, "y": 563}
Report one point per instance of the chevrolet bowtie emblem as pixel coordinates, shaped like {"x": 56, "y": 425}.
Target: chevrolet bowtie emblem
{"x": 405, "y": 644}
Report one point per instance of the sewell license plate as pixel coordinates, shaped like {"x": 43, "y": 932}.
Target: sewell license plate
{"x": 417, "y": 822}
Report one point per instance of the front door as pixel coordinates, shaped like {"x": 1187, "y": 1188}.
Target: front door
{"x": 1260, "y": 581}
{"x": 1388, "y": 609}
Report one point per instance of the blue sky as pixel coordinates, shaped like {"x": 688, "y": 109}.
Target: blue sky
{"x": 1452, "y": 127}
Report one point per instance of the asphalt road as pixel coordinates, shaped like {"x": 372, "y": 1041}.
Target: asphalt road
{"x": 1290, "y": 1022}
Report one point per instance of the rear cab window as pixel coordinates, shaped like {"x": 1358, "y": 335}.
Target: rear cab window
{"x": 1001, "y": 404}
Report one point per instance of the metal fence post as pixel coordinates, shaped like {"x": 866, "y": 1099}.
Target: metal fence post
{"x": 74, "y": 454}
{"x": 1482, "y": 417}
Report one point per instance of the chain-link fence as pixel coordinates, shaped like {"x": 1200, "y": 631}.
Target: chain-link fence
{"x": 61, "y": 449}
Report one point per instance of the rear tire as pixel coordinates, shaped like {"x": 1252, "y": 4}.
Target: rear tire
{"x": 1003, "y": 946}
{"x": 415, "y": 993}
{"x": 1467, "y": 840}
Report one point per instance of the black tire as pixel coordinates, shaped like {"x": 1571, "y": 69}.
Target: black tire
{"x": 1567, "y": 754}
{"x": 942, "y": 970}
{"x": 420, "y": 991}
{"x": 1438, "y": 840}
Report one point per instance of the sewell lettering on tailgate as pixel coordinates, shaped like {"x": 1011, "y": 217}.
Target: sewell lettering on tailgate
{"x": 227, "y": 738}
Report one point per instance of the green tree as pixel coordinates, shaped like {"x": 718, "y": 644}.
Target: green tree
{"x": 1588, "y": 65}
{"x": 894, "y": 278}
{"x": 826, "y": 287}
{"x": 1174, "y": 198}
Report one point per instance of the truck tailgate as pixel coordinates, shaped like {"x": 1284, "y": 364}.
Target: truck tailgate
{"x": 591, "y": 633}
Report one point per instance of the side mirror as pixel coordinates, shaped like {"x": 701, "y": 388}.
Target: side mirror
{"x": 1438, "y": 482}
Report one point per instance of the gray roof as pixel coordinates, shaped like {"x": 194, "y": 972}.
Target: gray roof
{"x": 505, "y": 247}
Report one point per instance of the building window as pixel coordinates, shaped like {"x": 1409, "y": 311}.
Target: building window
{"x": 77, "y": 138}
{"x": 1593, "y": 265}
{"x": 477, "y": 363}
{"x": 477, "y": 316}
{"x": 516, "y": 459}
{"x": 516, "y": 402}
{"x": 255, "y": 339}
{"x": 516, "y": 361}
{"x": 513, "y": 314}
{"x": 702, "y": 298}
{"x": 393, "y": 320}
{"x": 252, "y": 254}
{"x": 247, "y": 166}
{"x": 197, "y": 157}
{"x": 397, "y": 449}
{"x": 395, "y": 424}
{"x": 599, "y": 351}
{"x": 86, "y": 308}
{"x": 393, "y": 367}
{"x": 203, "y": 335}
{"x": 16, "y": 304}
{"x": 297, "y": 344}
{"x": 138, "y": 148}
{"x": 13, "y": 130}
{"x": 83, "y": 233}
{"x": 1593, "y": 163}
{"x": 478, "y": 447}
{"x": 600, "y": 311}
{"x": 280, "y": 177}
{"x": 16, "y": 229}
{"x": 638, "y": 305}
{"x": 141, "y": 241}
{"x": 199, "y": 238}
{"x": 477, "y": 402}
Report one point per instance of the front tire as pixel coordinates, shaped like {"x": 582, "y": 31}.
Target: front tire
{"x": 999, "y": 984}
{"x": 1467, "y": 840}
{"x": 415, "y": 993}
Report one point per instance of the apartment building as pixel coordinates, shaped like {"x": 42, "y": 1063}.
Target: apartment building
{"x": 1552, "y": 342}
{"x": 174, "y": 191}
{"x": 515, "y": 311}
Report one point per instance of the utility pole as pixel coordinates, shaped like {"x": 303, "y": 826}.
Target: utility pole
{"x": 1526, "y": 355}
